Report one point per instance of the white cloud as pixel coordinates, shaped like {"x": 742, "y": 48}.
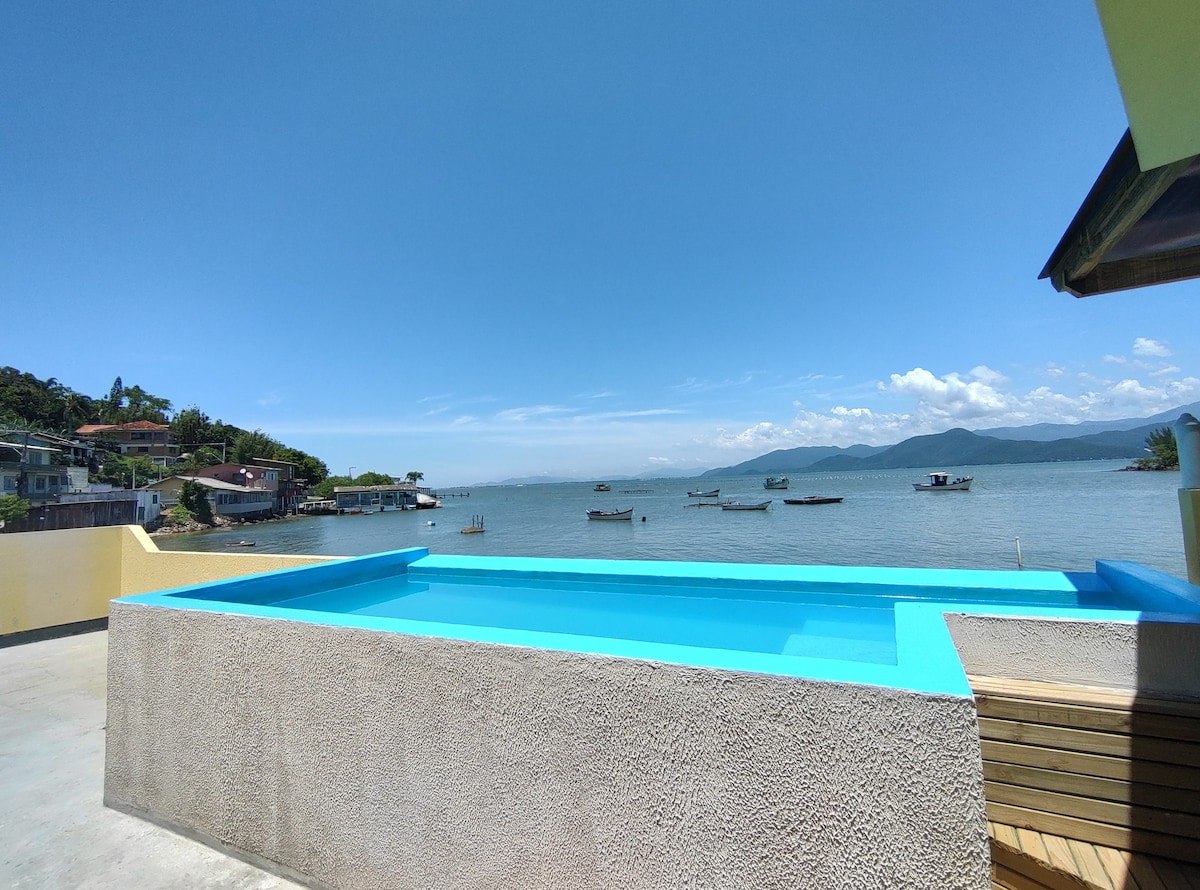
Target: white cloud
{"x": 528, "y": 412}
{"x": 950, "y": 396}
{"x": 1144, "y": 346}
{"x": 984, "y": 374}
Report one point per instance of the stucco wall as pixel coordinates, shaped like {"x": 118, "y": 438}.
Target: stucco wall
{"x": 63, "y": 577}
{"x": 1147, "y": 656}
{"x": 58, "y": 577}
{"x": 366, "y": 759}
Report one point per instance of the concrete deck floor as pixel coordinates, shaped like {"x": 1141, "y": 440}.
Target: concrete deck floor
{"x": 55, "y": 831}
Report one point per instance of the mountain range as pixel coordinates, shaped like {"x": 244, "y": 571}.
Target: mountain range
{"x": 1038, "y": 443}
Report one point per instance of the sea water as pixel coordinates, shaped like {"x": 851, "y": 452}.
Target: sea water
{"x": 1066, "y": 515}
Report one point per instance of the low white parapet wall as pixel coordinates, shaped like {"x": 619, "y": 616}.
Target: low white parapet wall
{"x": 349, "y": 757}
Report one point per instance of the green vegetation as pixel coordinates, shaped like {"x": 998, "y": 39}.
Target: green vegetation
{"x": 13, "y": 508}
{"x": 325, "y": 489}
{"x": 1164, "y": 452}
{"x": 118, "y": 470}
{"x": 46, "y": 405}
{"x": 193, "y": 499}
{"x": 414, "y": 477}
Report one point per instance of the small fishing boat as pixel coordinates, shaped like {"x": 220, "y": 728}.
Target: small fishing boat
{"x": 776, "y": 483}
{"x": 812, "y": 499}
{"x": 738, "y": 505}
{"x": 704, "y": 494}
{"x": 602, "y": 486}
{"x": 942, "y": 482}
{"x": 611, "y": 514}
{"x": 239, "y": 543}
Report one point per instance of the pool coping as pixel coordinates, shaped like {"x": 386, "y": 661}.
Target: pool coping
{"x": 926, "y": 658}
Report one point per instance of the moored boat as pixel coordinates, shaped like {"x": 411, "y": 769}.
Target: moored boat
{"x": 942, "y": 482}
{"x": 704, "y": 494}
{"x": 611, "y": 514}
{"x": 738, "y": 505}
{"x": 812, "y": 499}
{"x": 776, "y": 483}
{"x": 602, "y": 486}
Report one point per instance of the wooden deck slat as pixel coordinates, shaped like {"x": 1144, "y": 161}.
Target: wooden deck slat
{"x": 1087, "y": 696}
{"x": 1169, "y": 775}
{"x": 1129, "y": 723}
{"x": 1058, "y": 854}
{"x": 1119, "y": 791}
{"x": 1122, "y": 838}
{"x": 1091, "y": 869}
{"x": 1015, "y": 880}
{"x": 1069, "y": 864}
{"x": 1185, "y": 825}
{"x": 1172, "y": 875}
{"x": 1031, "y": 843}
{"x": 1116, "y": 864}
{"x": 1142, "y": 870}
{"x": 1090, "y": 741}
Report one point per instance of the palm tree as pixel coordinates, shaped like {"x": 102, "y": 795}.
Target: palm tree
{"x": 414, "y": 477}
{"x": 1164, "y": 450}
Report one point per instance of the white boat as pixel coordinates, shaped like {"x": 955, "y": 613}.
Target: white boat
{"x": 942, "y": 482}
{"x": 762, "y": 505}
{"x": 602, "y": 486}
{"x": 611, "y": 514}
{"x": 704, "y": 494}
{"x": 776, "y": 483}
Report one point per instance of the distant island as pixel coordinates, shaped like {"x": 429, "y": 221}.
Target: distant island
{"x": 1092, "y": 440}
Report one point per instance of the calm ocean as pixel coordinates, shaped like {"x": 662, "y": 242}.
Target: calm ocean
{"x": 1067, "y": 515}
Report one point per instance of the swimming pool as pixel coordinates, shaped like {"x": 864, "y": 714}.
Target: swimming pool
{"x": 815, "y": 621}
{"x": 506, "y": 722}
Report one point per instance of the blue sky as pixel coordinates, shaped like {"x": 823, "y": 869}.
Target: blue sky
{"x": 487, "y": 240}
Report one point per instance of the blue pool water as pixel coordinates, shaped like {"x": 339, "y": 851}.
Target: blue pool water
{"x": 684, "y": 617}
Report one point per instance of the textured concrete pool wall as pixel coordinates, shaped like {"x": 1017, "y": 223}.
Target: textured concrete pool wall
{"x": 347, "y": 757}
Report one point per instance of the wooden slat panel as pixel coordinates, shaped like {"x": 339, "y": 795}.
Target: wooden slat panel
{"x": 1102, "y": 719}
{"x": 1088, "y": 696}
{"x": 1170, "y": 775}
{"x": 1164, "y": 845}
{"x": 1143, "y": 818}
{"x": 1014, "y": 880}
{"x": 1107, "y": 743}
{"x": 1158, "y": 796}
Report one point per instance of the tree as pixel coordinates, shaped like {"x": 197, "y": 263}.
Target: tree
{"x": 414, "y": 477}
{"x": 203, "y": 456}
{"x": 140, "y": 405}
{"x": 248, "y": 446}
{"x": 193, "y": 497}
{"x": 119, "y": 470}
{"x": 111, "y": 410}
{"x": 13, "y": 508}
{"x": 192, "y": 426}
{"x": 309, "y": 468}
{"x": 1164, "y": 451}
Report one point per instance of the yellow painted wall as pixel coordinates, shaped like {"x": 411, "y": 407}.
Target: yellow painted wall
{"x": 61, "y": 577}
{"x": 1155, "y": 51}
{"x": 145, "y": 568}
{"x": 58, "y": 577}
